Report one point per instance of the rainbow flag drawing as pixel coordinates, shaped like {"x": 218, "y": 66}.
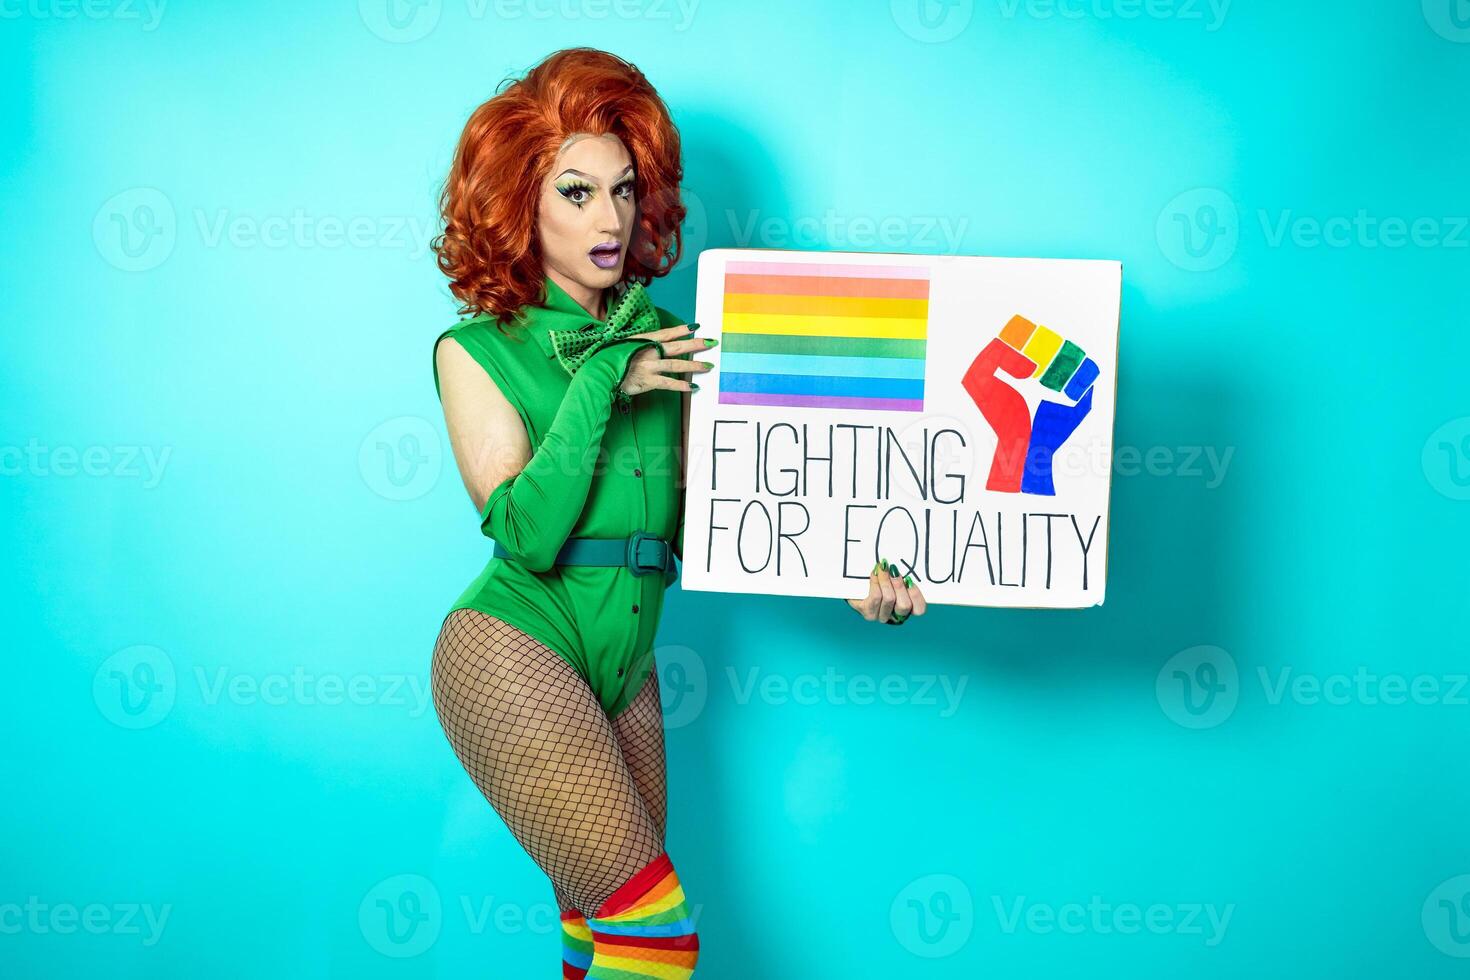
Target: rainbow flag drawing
{"x": 831, "y": 335}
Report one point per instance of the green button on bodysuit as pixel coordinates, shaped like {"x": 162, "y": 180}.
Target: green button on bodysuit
{"x": 602, "y": 467}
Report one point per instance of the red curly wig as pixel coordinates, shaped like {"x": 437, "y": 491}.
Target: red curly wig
{"x": 489, "y": 248}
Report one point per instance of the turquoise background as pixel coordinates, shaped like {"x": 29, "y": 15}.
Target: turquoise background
{"x": 217, "y": 703}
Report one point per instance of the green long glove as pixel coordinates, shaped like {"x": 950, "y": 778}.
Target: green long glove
{"x": 532, "y": 513}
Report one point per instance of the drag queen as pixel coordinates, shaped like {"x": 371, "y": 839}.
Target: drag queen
{"x": 566, "y": 398}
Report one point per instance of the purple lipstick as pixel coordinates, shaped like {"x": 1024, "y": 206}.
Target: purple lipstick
{"x": 606, "y": 255}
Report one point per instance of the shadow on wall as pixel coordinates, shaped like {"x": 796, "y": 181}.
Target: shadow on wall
{"x": 1174, "y": 572}
{"x": 1170, "y": 579}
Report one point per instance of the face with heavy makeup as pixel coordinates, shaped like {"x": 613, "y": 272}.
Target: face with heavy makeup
{"x": 586, "y": 216}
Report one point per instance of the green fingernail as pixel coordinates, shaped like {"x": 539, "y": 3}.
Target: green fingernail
{"x": 710, "y": 341}
{"x": 908, "y": 581}
{"x": 875, "y": 568}
{"x": 693, "y": 327}
{"x": 693, "y": 386}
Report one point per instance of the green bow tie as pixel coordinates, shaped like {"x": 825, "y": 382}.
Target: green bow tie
{"x": 632, "y": 312}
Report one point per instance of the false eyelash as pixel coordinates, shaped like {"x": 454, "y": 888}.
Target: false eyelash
{"x": 571, "y": 187}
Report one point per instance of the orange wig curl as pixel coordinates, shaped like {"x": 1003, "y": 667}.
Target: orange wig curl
{"x": 489, "y": 249}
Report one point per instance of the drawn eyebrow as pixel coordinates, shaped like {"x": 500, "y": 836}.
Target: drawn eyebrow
{"x": 626, "y": 170}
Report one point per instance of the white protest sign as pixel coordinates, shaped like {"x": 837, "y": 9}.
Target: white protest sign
{"x": 952, "y": 414}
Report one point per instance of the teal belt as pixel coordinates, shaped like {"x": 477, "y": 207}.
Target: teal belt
{"x": 640, "y": 552}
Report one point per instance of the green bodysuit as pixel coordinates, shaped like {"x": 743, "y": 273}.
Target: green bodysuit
{"x": 602, "y": 467}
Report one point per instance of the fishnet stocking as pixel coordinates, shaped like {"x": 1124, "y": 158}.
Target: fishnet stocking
{"x": 640, "y": 733}
{"x": 535, "y": 740}
{"x": 639, "y": 729}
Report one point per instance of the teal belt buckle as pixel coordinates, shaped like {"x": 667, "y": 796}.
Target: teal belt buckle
{"x": 640, "y": 552}
{"x": 641, "y": 546}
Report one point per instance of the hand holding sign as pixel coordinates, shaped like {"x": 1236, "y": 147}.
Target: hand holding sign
{"x": 1025, "y": 446}
{"x": 892, "y": 596}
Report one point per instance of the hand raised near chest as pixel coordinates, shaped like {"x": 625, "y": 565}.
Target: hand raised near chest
{"x": 647, "y": 369}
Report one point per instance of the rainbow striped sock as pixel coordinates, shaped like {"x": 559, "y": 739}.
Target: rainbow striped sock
{"x": 576, "y": 945}
{"x": 644, "y": 929}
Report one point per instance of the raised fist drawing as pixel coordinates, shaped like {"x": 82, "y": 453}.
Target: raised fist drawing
{"x": 1025, "y": 446}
